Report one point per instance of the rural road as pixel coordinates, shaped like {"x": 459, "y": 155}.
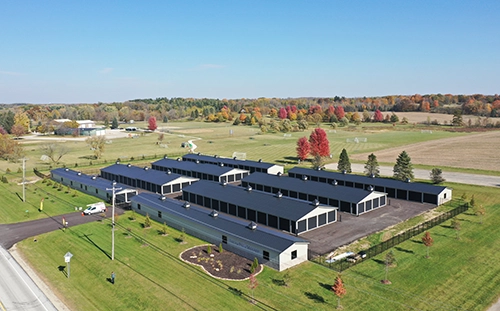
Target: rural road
{"x": 20, "y": 290}
{"x": 462, "y": 178}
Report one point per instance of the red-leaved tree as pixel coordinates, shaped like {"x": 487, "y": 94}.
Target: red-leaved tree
{"x": 152, "y": 124}
{"x": 282, "y": 114}
{"x": 339, "y": 112}
{"x": 303, "y": 148}
{"x": 319, "y": 143}
{"x": 339, "y": 290}
{"x": 428, "y": 241}
{"x": 378, "y": 116}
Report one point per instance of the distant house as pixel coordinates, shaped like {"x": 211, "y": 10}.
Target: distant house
{"x": 85, "y": 128}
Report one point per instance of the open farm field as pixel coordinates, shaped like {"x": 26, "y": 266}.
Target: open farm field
{"x": 441, "y": 118}
{"x": 474, "y": 151}
{"x": 150, "y": 276}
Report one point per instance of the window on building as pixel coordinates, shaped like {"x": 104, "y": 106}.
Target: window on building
{"x": 294, "y": 254}
{"x": 224, "y": 239}
{"x": 139, "y": 206}
{"x": 265, "y": 255}
{"x": 159, "y": 214}
{"x": 97, "y": 191}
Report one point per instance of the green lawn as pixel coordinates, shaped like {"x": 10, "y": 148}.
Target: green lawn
{"x": 459, "y": 275}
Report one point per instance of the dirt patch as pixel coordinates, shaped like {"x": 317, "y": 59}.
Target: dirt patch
{"x": 225, "y": 265}
{"x": 475, "y": 151}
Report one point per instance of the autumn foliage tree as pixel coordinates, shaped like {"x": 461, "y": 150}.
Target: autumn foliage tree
{"x": 252, "y": 285}
{"x": 428, "y": 241}
{"x": 152, "y": 124}
{"x": 303, "y": 148}
{"x": 319, "y": 146}
{"x": 339, "y": 290}
{"x": 339, "y": 112}
{"x": 378, "y": 116}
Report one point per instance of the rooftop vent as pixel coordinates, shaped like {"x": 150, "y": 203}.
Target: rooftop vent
{"x": 318, "y": 168}
{"x": 249, "y": 188}
{"x": 234, "y": 158}
{"x": 66, "y": 169}
{"x": 315, "y": 202}
{"x": 344, "y": 172}
{"x": 165, "y": 157}
{"x": 129, "y": 165}
{"x": 214, "y": 213}
{"x": 371, "y": 188}
{"x": 304, "y": 177}
{"x": 146, "y": 168}
{"x": 260, "y": 160}
{"x": 197, "y": 161}
{"x": 117, "y": 162}
{"x": 163, "y": 198}
{"x": 169, "y": 172}
{"x": 179, "y": 159}
{"x": 279, "y": 174}
{"x": 215, "y": 156}
{"x": 279, "y": 194}
{"x": 221, "y": 164}
{"x": 335, "y": 182}
{"x": 79, "y": 173}
{"x": 408, "y": 180}
{"x": 372, "y": 175}
{"x": 186, "y": 205}
{"x": 252, "y": 226}
{"x": 93, "y": 177}
{"x": 223, "y": 182}
{"x": 199, "y": 153}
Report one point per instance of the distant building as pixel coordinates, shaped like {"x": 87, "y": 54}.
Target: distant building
{"x": 249, "y": 165}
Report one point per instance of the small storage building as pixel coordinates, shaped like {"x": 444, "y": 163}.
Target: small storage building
{"x": 146, "y": 178}
{"x": 283, "y": 213}
{"x": 248, "y": 165}
{"x": 273, "y": 248}
{"x": 347, "y": 199}
{"x": 198, "y": 170}
{"x": 410, "y": 191}
{"x": 93, "y": 185}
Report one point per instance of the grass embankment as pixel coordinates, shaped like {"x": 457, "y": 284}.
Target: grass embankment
{"x": 459, "y": 275}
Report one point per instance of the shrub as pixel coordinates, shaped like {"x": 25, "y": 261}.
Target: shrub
{"x": 209, "y": 249}
{"x": 4, "y": 180}
{"x": 147, "y": 222}
{"x": 221, "y": 250}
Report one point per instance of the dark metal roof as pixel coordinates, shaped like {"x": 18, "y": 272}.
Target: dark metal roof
{"x": 234, "y": 162}
{"x": 92, "y": 181}
{"x": 263, "y": 235}
{"x": 210, "y": 169}
{"x": 346, "y": 194}
{"x": 284, "y": 207}
{"x": 383, "y": 182}
{"x": 146, "y": 174}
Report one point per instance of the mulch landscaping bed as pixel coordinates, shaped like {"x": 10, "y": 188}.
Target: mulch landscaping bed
{"x": 225, "y": 265}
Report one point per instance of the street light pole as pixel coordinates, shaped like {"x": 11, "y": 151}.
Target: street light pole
{"x": 113, "y": 219}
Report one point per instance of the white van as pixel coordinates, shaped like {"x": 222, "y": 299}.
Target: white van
{"x": 95, "y": 208}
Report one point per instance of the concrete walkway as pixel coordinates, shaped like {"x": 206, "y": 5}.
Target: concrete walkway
{"x": 462, "y": 178}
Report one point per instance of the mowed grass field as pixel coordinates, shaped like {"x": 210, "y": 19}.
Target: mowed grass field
{"x": 459, "y": 275}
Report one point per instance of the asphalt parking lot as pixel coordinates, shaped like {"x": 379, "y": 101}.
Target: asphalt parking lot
{"x": 350, "y": 228}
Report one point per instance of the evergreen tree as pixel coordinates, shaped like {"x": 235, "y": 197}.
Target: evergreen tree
{"x": 114, "y": 123}
{"x": 403, "y": 169}
{"x": 344, "y": 163}
{"x": 436, "y": 175}
{"x": 371, "y": 166}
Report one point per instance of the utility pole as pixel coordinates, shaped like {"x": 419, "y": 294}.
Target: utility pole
{"x": 24, "y": 179}
{"x": 113, "y": 219}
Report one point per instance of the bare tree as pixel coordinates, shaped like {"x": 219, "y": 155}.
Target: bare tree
{"x": 55, "y": 151}
{"x": 97, "y": 144}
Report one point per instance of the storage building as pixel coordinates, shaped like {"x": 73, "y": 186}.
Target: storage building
{"x": 248, "y": 165}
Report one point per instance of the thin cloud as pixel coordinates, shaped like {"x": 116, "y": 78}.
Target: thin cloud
{"x": 11, "y": 73}
{"x": 106, "y": 70}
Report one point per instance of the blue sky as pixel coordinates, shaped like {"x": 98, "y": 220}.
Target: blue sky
{"x": 91, "y": 51}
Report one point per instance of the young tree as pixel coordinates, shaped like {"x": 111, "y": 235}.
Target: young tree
{"x": 221, "y": 249}
{"x": 303, "y": 148}
{"x": 147, "y": 221}
{"x": 480, "y": 211}
{"x": 371, "y": 166}
{"x": 319, "y": 146}
{"x": 436, "y": 175}
{"x": 457, "y": 118}
{"x": 403, "y": 168}
{"x": 54, "y": 151}
{"x": 97, "y": 144}
{"x": 389, "y": 261}
{"x": 455, "y": 223}
{"x": 18, "y": 130}
{"x": 252, "y": 285}
{"x": 472, "y": 202}
{"x": 160, "y": 138}
{"x": 344, "y": 163}
{"x": 152, "y": 124}
{"x": 339, "y": 290}
{"x": 286, "y": 278}
{"x": 428, "y": 241}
